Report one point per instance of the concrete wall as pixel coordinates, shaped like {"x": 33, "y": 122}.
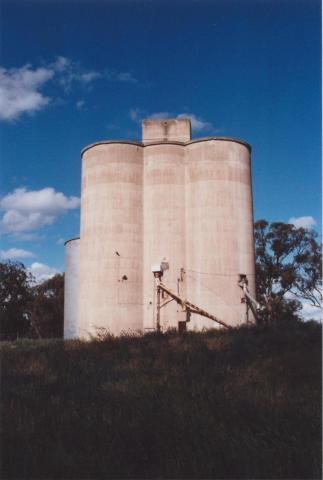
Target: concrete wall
{"x": 219, "y": 242}
{"x": 164, "y": 223}
{"x": 71, "y": 288}
{"x": 172, "y": 199}
{"x": 111, "y": 253}
{"x": 198, "y": 216}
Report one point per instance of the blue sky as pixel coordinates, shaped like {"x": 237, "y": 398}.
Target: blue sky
{"x": 75, "y": 72}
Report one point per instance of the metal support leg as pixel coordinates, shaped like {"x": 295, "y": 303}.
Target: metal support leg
{"x": 158, "y": 309}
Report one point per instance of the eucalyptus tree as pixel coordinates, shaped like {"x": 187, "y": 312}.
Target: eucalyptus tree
{"x": 288, "y": 268}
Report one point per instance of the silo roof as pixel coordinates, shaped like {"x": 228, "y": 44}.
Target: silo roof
{"x": 71, "y": 240}
{"x": 166, "y": 142}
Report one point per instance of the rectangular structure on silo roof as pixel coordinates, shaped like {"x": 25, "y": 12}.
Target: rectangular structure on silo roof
{"x": 166, "y": 129}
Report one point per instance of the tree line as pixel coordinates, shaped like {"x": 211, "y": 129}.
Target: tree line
{"x": 28, "y": 309}
{"x": 288, "y": 271}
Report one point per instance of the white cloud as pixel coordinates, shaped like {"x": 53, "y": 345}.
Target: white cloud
{"x": 42, "y": 272}
{"x": 88, "y": 77}
{"x": 304, "y": 222}
{"x": 198, "y": 124}
{"x": 60, "y": 241}
{"x": 28, "y": 210}
{"x": 61, "y": 63}
{"x": 72, "y": 71}
{"x": 68, "y": 72}
{"x": 19, "y": 90}
{"x": 15, "y": 253}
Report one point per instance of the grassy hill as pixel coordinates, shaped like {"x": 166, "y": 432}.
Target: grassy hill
{"x": 233, "y": 404}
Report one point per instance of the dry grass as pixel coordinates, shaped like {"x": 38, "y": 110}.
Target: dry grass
{"x": 239, "y": 404}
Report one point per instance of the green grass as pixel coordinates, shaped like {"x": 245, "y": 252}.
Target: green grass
{"x": 233, "y": 404}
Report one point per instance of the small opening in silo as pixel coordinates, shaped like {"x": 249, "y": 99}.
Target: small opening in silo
{"x": 124, "y": 277}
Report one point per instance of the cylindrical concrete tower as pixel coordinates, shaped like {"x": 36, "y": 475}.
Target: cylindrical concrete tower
{"x": 111, "y": 253}
{"x": 71, "y": 288}
{"x": 164, "y": 227}
{"x": 219, "y": 228}
{"x": 185, "y": 203}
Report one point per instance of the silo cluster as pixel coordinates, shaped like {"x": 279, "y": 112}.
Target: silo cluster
{"x": 167, "y": 199}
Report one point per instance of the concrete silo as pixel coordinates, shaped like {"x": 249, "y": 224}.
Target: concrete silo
{"x": 71, "y": 288}
{"x": 168, "y": 199}
{"x": 164, "y": 211}
{"x": 111, "y": 252}
{"x": 219, "y": 227}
